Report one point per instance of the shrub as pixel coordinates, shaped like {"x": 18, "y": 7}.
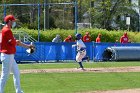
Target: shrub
{"x": 107, "y": 36}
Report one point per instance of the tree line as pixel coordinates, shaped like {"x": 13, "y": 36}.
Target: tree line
{"x": 105, "y": 14}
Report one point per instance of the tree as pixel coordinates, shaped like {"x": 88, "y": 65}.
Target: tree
{"x": 107, "y": 11}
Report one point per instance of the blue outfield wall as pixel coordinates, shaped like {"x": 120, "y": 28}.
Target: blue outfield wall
{"x": 46, "y": 51}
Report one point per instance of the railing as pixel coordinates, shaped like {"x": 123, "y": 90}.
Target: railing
{"x": 24, "y": 37}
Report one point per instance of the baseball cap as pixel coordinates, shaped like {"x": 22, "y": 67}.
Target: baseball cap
{"x": 9, "y": 18}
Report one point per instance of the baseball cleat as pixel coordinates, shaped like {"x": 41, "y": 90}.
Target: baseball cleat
{"x": 81, "y": 69}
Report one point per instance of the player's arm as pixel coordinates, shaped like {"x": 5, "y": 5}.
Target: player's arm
{"x": 121, "y": 40}
{"x": 74, "y": 45}
{"x": 19, "y": 43}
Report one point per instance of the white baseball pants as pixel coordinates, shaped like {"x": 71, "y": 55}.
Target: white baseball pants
{"x": 9, "y": 64}
{"x": 80, "y": 56}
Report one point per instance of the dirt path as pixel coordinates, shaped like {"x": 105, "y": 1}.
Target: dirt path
{"x": 117, "y": 91}
{"x": 95, "y": 70}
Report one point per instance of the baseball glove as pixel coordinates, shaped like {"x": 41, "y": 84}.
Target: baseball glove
{"x": 31, "y": 50}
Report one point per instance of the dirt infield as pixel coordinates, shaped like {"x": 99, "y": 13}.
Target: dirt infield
{"x": 94, "y": 70}
{"x": 117, "y": 91}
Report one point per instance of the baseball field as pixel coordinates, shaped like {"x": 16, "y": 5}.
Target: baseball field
{"x": 99, "y": 77}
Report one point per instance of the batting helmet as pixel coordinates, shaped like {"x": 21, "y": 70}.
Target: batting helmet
{"x": 78, "y": 36}
{"x": 9, "y": 18}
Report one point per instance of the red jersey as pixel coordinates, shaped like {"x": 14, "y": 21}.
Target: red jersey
{"x": 86, "y": 38}
{"x": 124, "y": 39}
{"x": 7, "y": 41}
{"x": 98, "y": 40}
{"x": 68, "y": 40}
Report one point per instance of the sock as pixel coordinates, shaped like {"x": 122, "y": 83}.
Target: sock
{"x": 80, "y": 63}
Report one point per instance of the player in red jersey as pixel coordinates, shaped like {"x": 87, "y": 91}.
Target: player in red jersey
{"x": 98, "y": 39}
{"x": 86, "y": 37}
{"x": 8, "y": 49}
{"x": 124, "y": 38}
{"x": 68, "y": 39}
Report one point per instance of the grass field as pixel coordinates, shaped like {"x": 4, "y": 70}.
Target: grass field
{"x": 74, "y": 65}
{"x": 75, "y": 82}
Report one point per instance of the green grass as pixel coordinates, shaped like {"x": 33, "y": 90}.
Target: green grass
{"x": 75, "y": 82}
{"x": 75, "y": 64}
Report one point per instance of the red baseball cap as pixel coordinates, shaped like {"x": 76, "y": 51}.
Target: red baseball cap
{"x": 9, "y": 18}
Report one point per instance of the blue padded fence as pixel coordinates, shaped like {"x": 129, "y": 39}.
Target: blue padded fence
{"x": 46, "y": 51}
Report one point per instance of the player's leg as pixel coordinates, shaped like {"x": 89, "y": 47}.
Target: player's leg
{"x": 79, "y": 58}
{"x": 5, "y": 59}
{"x": 85, "y": 58}
{"x": 81, "y": 65}
{"x": 16, "y": 77}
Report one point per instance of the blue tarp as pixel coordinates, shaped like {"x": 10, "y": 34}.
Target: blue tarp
{"x": 99, "y": 48}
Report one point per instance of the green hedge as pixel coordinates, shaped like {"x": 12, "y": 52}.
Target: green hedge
{"x": 107, "y": 36}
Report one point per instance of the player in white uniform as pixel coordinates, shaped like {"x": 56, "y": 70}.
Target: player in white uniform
{"x": 81, "y": 51}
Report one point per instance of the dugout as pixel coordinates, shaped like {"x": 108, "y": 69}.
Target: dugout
{"x": 121, "y": 53}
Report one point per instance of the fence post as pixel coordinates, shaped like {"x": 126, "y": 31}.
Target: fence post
{"x": 76, "y": 12}
{"x": 38, "y": 21}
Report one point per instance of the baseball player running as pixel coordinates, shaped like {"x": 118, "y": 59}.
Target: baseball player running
{"x": 8, "y": 49}
{"x": 81, "y": 51}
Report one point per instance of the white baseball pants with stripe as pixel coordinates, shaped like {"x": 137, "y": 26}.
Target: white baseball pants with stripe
{"x": 9, "y": 65}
